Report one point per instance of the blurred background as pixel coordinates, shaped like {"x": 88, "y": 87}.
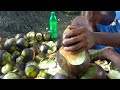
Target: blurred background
{"x": 13, "y": 22}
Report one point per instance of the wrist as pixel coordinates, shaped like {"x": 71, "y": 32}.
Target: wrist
{"x": 95, "y": 38}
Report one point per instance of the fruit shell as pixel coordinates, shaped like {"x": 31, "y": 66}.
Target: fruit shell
{"x": 6, "y": 68}
{"x": 15, "y": 55}
{"x": 113, "y": 74}
{"x": 61, "y": 74}
{"x": 94, "y": 72}
{"x": 39, "y": 36}
{"x": 11, "y": 75}
{"x": 22, "y": 43}
{"x": 28, "y": 54}
{"x": 20, "y": 35}
{"x": 30, "y": 34}
{"x": 44, "y": 48}
{"x": 46, "y": 36}
{"x": 10, "y": 45}
{"x": 44, "y": 75}
{"x": 73, "y": 70}
{"x": 5, "y": 57}
{"x": 31, "y": 71}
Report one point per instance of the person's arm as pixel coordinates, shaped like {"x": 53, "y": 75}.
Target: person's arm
{"x": 107, "y": 39}
{"x": 112, "y": 55}
{"x": 85, "y": 39}
{"x": 82, "y": 37}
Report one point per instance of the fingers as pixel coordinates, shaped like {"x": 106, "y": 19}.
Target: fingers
{"x": 73, "y": 33}
{"x": 78, "y": 51}
{"x": 72, "y": 27}
{"x": 73, "y": 40}
{"x": 79, "y": 46}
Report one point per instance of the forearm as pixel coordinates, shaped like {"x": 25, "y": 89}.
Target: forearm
{"x": 107, "y": 39}
{"x": 113, "y": 56}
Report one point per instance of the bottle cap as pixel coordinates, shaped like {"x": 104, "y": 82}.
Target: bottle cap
{"x": 52, "y": 13}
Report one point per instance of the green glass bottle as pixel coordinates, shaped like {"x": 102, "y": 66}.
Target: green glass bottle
{"x": 53, "y": 26}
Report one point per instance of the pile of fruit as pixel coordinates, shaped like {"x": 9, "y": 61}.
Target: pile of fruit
{"x": 36, "y": 56}
{"x": 28, "y": 56}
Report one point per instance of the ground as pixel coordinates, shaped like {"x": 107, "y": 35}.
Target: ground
{"x": 13, "y": 22}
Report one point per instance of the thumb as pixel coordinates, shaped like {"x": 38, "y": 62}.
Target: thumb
{"x": 71, "y": 27}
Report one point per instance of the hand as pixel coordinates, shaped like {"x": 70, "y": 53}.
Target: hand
{"x": 107, "y": 50}
{"x": 78, "y": 39}
{"x": 112, "y": 55}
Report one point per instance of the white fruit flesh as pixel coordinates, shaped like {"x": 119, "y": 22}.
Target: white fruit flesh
{"x": 75, "y": 59}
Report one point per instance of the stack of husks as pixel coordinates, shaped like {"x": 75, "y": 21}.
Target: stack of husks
{"x": 34, "y": 56}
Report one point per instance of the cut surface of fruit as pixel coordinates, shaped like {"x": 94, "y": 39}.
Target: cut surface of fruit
{"x": 75, "y": 59}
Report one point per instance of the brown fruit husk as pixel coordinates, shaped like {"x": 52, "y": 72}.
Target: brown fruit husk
{"x": 61, "y": 74}
{"x": 94, "y": 72}
{"x": 73, "y": 70}
{"x": 73, "y": 64}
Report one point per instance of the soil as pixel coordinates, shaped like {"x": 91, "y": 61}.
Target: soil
{"x": 13, "y": 22}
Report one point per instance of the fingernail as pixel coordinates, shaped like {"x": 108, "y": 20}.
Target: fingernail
{"x": 68, "y": 26}
{"x": 72, "y": 52}
{"x": 63, "y": 36}
{"x": 63, "y": 42}
{"x": 65, "y": 48}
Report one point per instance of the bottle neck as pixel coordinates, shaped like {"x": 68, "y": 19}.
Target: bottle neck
{"x": 53, "y": 17}
{"x": 52, "y": 14}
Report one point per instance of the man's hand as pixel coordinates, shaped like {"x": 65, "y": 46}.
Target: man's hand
{"x": 78, "y": 39}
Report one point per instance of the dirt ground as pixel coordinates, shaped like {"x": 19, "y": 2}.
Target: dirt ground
{"x": 13, "y": 22}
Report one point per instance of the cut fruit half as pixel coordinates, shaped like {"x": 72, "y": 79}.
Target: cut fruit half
{"x": 74, "y": 59}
